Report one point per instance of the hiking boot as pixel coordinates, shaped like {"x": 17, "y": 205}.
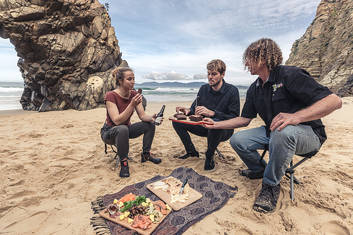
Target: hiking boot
{"x": 147, "y": 157}
{"x": 124, "y": 171}
{"x": 267, "y": 199}
{"x": 209, "y": 163}
{"x": 252, "y": 174}
{"x": 187, "y": 155}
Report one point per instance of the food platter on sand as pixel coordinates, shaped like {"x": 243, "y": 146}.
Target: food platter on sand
{"x": 137, "y": 213}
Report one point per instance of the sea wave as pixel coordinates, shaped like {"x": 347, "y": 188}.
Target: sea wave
{"x": 10, "y": 89}
{"x": 176, "y": 90}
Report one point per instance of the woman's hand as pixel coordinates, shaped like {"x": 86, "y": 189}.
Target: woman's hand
{"x": 136, "y": 100}
{"x": 154, "y": 119}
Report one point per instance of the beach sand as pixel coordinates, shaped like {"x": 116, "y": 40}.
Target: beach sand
{"x": 52, "y": 165}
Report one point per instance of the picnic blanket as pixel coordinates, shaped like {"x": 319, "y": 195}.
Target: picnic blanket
{"x": 214, "y": 196}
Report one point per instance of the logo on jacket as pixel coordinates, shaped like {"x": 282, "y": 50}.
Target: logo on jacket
{"x": 276, "y": 86}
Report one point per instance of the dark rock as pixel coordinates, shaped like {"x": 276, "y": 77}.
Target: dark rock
{"x": 325, "y": 50}
{"x": 67, "y": 51}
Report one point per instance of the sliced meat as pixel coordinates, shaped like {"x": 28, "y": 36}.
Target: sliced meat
{"x": 160, "y": 206}
{"x": 142, "y": 222}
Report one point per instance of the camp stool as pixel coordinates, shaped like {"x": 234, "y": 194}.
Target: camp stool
{"x": 291, "y": 169}
{"x": 116, "y": 153}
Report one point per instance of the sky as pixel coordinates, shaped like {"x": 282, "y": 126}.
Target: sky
{"x": 173, "y": 40}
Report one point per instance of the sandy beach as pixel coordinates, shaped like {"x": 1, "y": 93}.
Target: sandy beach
{"x": 52, "y": 165}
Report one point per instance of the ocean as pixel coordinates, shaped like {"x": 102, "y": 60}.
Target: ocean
{"x": 10, "y": 92}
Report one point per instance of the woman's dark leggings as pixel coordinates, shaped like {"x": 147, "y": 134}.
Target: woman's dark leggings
{"x": 120, "y": 135}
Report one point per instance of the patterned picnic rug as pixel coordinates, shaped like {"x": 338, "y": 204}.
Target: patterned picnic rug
{"x": 214, "y": 196}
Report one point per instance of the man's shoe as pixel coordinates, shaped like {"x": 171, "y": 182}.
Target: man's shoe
{"x": 252, "y": 174}
{"x": 147, "y": 157}
{"x": 267, "y": 199}
{"x": 187, "y": 155}
{"x": 209, "y": 164}
{"x": 124, "y": 171}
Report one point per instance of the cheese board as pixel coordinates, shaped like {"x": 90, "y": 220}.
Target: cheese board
{"x": 171, "y": 192}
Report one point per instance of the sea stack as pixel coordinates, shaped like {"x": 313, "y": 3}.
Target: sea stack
{"x": 67, "y": 51}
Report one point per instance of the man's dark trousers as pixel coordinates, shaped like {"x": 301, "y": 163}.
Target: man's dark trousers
{"x": 214, "y": 137}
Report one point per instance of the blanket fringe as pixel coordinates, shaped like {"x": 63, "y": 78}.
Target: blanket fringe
{"x": 98, "y": 223}
{"x": 97, "y": 205}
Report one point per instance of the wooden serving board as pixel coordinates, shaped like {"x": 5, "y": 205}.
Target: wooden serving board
{"x": 166, "y": 196}
{"x": 105, "y": 214}
{"x": 173, "y": 119}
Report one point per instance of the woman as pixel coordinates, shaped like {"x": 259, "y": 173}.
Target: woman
{"x": 120, "y": 104}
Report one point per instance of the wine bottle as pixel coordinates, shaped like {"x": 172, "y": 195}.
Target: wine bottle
{"x": 159, "y": 116}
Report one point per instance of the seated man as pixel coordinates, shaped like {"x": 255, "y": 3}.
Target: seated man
{"x": 217, "y": 100}
{"x": 291, "y": 103}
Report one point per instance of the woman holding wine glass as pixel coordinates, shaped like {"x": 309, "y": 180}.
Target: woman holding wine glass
{"x": 117, "y": 130}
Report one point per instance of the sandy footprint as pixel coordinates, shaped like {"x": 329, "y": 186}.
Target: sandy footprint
{"x": 67, "y": 126}
{"x": 284, "y": 200}
{"x": 31, "y": 222}
{"x": 334, "y": 227}
{"x": 243, "y": 231}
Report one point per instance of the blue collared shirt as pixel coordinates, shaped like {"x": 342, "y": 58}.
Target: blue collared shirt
{"x": 224, "y": 102}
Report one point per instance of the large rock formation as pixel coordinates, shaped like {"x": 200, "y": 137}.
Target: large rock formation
{"x": 67, "y": 49}
{"x": 326, "y": 48}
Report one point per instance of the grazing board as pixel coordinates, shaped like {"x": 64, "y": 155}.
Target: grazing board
{"x": 130, "y": 225}
{"x": 168, "y": 190}
{"x": 173, "y": 119}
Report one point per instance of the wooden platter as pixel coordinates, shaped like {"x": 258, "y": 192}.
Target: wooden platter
{"x": 170, "y": 193}
{"x": 105, "y": 214}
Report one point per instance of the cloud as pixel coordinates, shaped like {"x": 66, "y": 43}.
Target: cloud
{"x": 5, "y": 44}
{"x": 8, "y": 66}
{"x": 176, "y": 39}
{"x": 169, "y": 76}
{"x": 231, "y": 19}
{"x": 200, "y": 76}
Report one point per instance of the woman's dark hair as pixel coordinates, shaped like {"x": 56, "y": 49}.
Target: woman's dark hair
{"x": 118, "y": 74}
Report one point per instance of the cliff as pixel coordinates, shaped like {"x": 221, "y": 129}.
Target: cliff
{"x": 326, "y": 48}
{"x": 67, "y": 49}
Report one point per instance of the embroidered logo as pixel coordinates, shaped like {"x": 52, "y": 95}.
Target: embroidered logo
{"x": 276, "y": 86}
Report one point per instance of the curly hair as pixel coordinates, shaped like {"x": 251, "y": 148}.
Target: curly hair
{"x": 264, "y": 50}
{"x": 118, "y": 74}
{"x": 217, "y": 65}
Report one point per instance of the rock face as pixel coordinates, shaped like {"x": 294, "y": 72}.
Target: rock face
{"x": 326, "y": 48}
{"x": 67, "y": 50}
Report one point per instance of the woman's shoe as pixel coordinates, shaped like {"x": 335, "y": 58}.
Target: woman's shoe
{"x": 124, "y": 171}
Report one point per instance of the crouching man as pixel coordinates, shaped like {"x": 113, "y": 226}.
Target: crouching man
{"x": 291, "y": 103}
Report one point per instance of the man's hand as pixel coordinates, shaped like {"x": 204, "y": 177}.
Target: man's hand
{"x": 202, "y": 110}
{"x": 283, "y": 119}
{"x": 137, "y": 99}
{"x": 208, "y": 123}
{"x": 184, "y": 110}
